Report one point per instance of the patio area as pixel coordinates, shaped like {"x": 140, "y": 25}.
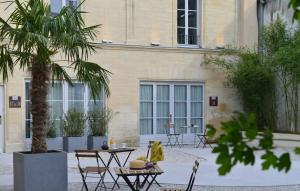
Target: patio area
{"x": 177, "y": 167}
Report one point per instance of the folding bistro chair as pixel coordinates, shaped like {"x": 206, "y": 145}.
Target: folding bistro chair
{"x": 191, "y": 181}
{"x": 86, "y": 172}
{"x": 203, "y": 139}
{"x": 171, "y": 135}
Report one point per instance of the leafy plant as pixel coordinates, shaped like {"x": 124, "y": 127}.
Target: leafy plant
{"x": 99, "y": 120}
{"x": 31, "y": 38}
{"x": 73, "y": 123}
{"x": 254, "y": 81}
{"x": 236, "y": 145}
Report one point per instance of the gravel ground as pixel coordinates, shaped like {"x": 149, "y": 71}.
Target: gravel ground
{"x": 77, "y": 187}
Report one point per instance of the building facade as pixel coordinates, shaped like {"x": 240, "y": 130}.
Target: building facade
{"x": 155, "y": 51}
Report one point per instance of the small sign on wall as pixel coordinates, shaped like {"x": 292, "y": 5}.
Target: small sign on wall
{"x": 14, "y": 101}
{"x": 213, "y": 101}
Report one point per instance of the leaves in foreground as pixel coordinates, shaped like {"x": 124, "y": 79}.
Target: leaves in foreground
{"x": 237, "y": 145}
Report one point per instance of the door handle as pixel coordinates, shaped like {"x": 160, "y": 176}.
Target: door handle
{"x": 0, "y": 119}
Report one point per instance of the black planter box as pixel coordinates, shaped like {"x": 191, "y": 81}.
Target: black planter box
{"x": 72, "y": 143}
{"x": 96, "y": 142}
{"x": 40, "y": 171}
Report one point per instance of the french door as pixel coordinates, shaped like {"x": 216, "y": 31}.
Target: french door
{"x": 182, "y": 103}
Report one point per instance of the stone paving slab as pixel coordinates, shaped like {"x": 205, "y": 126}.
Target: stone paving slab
{"x": 123, "y": 187}
{"x": 177, "y": 167}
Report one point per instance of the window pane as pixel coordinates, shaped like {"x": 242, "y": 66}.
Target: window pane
{"x": 180, "y": 4}
{"x": 180, "y": 93}
{"x": 162, "y": 109}
{"x": 196, "y": 93}
{"x": 179, "y": 124}
{"x": 55, "y": 109}
{"x": 146, "y": 109}
{"x": 192, "y": 19}
{"x": 76, "y": 92}
{"x": 95, "y": 105}
{"x": 192, "y": 4}
{"x": 146, "y": 92}
{"x": 180, "y": 109}
{"x": 27, "y": 110}
{"x": 192, "y": 36}
{"x": 28, "y": 128}
{"x": 198, "y": 122}
{"x": 27, "y": 93}
{"x": 180, "y": 18}
{"x": 56, "y": 6}
{"x": 161, "y": 126}
{"x": 100, "y": 94}
{"x": 73, "y": 3}
{"x": 196, "y": 109}
{"x": 146, "y": 126}
{"x": 55, "y": 91}
{"x": 181, "y": 36}
{"x": 163, "y": 93}
{"x": 77, "y": 105}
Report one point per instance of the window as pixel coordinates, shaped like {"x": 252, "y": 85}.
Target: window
{"x": 187, "y": 22}
{"x": 61, "y": 98}
{"x": 146, "y": 110}
{"x": 57, "y": 5}
{"x": 183, "y": 101}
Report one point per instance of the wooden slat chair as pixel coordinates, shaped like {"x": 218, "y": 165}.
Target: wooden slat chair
{"x": 87, "y": 171}
{"x": 191, "y": 181}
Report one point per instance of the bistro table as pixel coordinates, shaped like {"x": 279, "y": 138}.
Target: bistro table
{"x": 114, "y": 156}
{"x": 126, "y": 172}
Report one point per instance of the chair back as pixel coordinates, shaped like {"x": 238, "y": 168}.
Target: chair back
{"x": 80, "y": 154}
{"x": 149, "y": 147}
{"x": 193, "y": 176}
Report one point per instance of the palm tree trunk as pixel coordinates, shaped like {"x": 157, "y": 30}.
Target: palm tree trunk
{"x": 39, "y": 108}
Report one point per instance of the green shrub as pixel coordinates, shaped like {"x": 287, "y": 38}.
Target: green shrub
{"x": 99, "y": 120}
{"x": 73, "y": 123}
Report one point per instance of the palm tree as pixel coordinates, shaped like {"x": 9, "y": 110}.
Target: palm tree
{"x": 30, "y": 39}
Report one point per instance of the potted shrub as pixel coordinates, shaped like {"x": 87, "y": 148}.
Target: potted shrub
{"x": 53, "y": 142}
{"x": 31, "y": 38}
{"x": 98, "y": 121}
{"x": 73, "y": 128}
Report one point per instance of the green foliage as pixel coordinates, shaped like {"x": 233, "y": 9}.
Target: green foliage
{"x": 236, "y": 145}
{"x": 253, "y": 80}
{"x": 297, "y": 150}
{"x": 295, "y": 4}
{"x": 282, "y": 48}
{"x": 99, "y": 120}
{"x": 73, "y": 123}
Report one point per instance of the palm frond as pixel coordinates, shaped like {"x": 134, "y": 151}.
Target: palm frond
{"x": 6, "y": 62}
{"x": 59, "y": 73}
{"x": 93, "y": 75}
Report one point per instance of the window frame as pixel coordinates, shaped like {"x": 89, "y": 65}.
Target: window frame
{"x": 186, "y": 27}
{"x": 172, "y": 84}
{"x": 65, "y": 100}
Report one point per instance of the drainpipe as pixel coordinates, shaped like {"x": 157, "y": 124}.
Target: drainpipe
{"x": 260, "y": 20}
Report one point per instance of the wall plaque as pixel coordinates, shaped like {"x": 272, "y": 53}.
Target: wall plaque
{"x": 213, "y": 101}
{"x": 14, "y": 101}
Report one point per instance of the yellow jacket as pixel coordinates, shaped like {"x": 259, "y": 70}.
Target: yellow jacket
{"x": 157, "y": 153}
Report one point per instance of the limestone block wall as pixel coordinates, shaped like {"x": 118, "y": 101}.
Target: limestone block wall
{"x": 132, "y": 25}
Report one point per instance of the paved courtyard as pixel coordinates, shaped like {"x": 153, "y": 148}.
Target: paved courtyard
{"x": 177, "y": 167}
